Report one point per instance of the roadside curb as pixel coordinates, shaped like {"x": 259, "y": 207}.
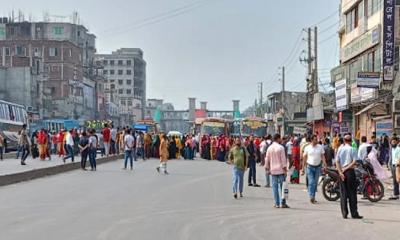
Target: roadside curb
{"x": 9, "y": 179}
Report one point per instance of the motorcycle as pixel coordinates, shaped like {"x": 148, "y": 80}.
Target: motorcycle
{"x": 367, "y": 183}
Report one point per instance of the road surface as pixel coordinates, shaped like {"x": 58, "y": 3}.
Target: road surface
{"x": 193, "y": 202}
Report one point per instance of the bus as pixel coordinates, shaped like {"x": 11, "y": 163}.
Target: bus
{"x": 256, "y": 127}
{"x": 12, "y": 117}
{"x": 148, "y": 126}
{"x": 215, "y": 127}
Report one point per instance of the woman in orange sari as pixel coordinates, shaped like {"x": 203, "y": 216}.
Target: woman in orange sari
{"x": 163, "y": 154}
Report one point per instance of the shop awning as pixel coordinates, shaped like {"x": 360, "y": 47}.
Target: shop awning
{"x": 377, "y": 118}
{"x": 369, "y": 107}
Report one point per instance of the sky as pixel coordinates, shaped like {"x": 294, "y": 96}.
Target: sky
{"x": 213, "y": 50}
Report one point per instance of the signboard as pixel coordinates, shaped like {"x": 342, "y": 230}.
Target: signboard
{"x": 359, "y": 45}
{"x": 340, "y": 119}
{"x": 368, "y": 79}
{"x": 361, "y": 94}
{"x": 388, "y": 39}
{"x": 299, "y": 130}
{"x": 384, "y": 127}
{"x": 341, "y": 95}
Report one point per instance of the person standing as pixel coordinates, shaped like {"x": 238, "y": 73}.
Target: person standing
{"x": 163, "y": 154}
{"x": 251, "y": 149}
{"x": 113, "y": 140}
{"x": 1, "y": 147}
{"x": 129, "y": 142}
{"x": 106, "y": 139}
{"x": 276, "y": 165}
{"x": 69, "y": 143}
{"x": 363, "y": 149}
{"x": 84, "y": 149}
{"x": 42, "y": 142}
{"x": 296, "y": 164}
{"x": 238, "y": 157}
{"x": 93, "y": 143}
{"x": 25, "y": 144}
{"x": 329, "y": 153}
{"x": 289, "y": 146}
{"x": 394, "y": 157}
{"x": 314, "y": 157}
{"x": 345, "y": 163}
{"x": 140, "y": 146}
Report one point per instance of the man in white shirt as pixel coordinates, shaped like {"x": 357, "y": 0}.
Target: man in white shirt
{"x": 363, "y": 149}
{"x": 129, "y": 143}
{"x": 314, "y": 157}
{"x": 70, "y": 146}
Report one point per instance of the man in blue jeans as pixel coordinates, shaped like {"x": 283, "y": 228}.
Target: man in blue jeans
{"x": 238, "y": 157}
{"x": 70, "y": 146}
{"x": 129, "y": 143}
{"x": 314, "y": 157}
{"x": 276, "y": 165}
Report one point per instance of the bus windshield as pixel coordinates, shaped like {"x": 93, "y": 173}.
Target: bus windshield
{"x": 252, "y": 127}
{"x": 213, "y": 128}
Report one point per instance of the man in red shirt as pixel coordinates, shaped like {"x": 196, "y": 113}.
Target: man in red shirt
{"x": 106, "y": 139}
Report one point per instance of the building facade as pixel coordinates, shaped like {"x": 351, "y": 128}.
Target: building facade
{"x": 61, "y": 58}
{"x": 369, "y": 55}
{"x": 125, "y": 72}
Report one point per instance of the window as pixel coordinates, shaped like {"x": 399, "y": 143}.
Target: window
{"x": 129, "y": 62}
{"x": 70, "y": 52}
{"x": 123, "y": 103}
{"x": 352, "y": 19}
{"x": 120, "y": 91}
{"x": 112, "y": 86}
{"x": 128, "y": 82}
{"x": 120, "y": 82}
{"x": 128, "y": 72}
{"x": 58, "y": 30}
{"x": 128, "y": 91}
{"x": 7, "y": 51}
{"x": 112, "y": 80}
{"x": 129, "y": 103}
{"x": 105, "y": 71}
{"x": 377, "y": 58}
{"x": 20, "y": 51}
{"x": 112, "y": 72}
{"x": 120, "y": 72}
{"x": 53, "y": 52}
{"x": 120, "y": 62}
{"x": 112, "y": 62}
{"x": 374, "y": 6}
{"x": 105, "y": 62}
{"x": 54, "y": 68}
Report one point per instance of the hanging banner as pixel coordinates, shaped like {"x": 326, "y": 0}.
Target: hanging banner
{"x": 388, "y": 39}
{"x": 368, "y": 79}
{"x": 341, "y": 95}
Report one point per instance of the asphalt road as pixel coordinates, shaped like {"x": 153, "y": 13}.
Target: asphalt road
{"x": 193, "y": 202}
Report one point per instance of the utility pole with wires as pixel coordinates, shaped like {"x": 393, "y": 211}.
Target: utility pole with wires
{"x": 312, "y": 65}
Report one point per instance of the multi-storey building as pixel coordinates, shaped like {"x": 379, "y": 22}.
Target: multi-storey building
{"x": 61, "y": 56}
{"x": 369, "y": 54}
{"x": 125, "y": 70}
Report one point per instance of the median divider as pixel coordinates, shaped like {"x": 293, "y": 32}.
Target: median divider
{"x": 28, "y": 175}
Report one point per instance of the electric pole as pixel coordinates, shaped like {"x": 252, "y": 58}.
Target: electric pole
{"x": 316, "y": 60}
{"x": 283, "y": 101}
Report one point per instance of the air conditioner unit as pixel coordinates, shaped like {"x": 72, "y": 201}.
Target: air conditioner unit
{"x": 29, "y": 109}
{"x": 396, "y": 105}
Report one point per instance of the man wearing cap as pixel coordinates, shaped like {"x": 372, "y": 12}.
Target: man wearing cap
{"x": 345, "y": 163}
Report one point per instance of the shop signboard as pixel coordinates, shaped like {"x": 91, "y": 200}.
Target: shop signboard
{"x": 359, "y": 45}
{"x": 361, "y": 94}
{"x": 384, "y": 127}
{"x": 368, "y": 79}
{"x": 341, "y": 95}
{"x": 299, "y": 130}
{"x": 388, "y": 39}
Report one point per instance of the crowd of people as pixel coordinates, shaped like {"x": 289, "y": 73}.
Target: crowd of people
{"x": 287, "y": 158}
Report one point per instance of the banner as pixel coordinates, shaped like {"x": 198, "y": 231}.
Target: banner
{"x": 341, "y": 95}
{"x": 388, "y": 39}
{"x": 368, "y": 79}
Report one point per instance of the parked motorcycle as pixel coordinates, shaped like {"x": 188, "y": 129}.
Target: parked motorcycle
{"x": 367, "y": 183}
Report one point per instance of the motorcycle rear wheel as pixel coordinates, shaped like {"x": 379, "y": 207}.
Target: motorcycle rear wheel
{"x": 374, "y": 190}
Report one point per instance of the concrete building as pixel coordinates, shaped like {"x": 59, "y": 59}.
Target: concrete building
{"x": 61, "y": 57}
{"x": 369, "y": 43}
{"x": 125, "y": 70}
